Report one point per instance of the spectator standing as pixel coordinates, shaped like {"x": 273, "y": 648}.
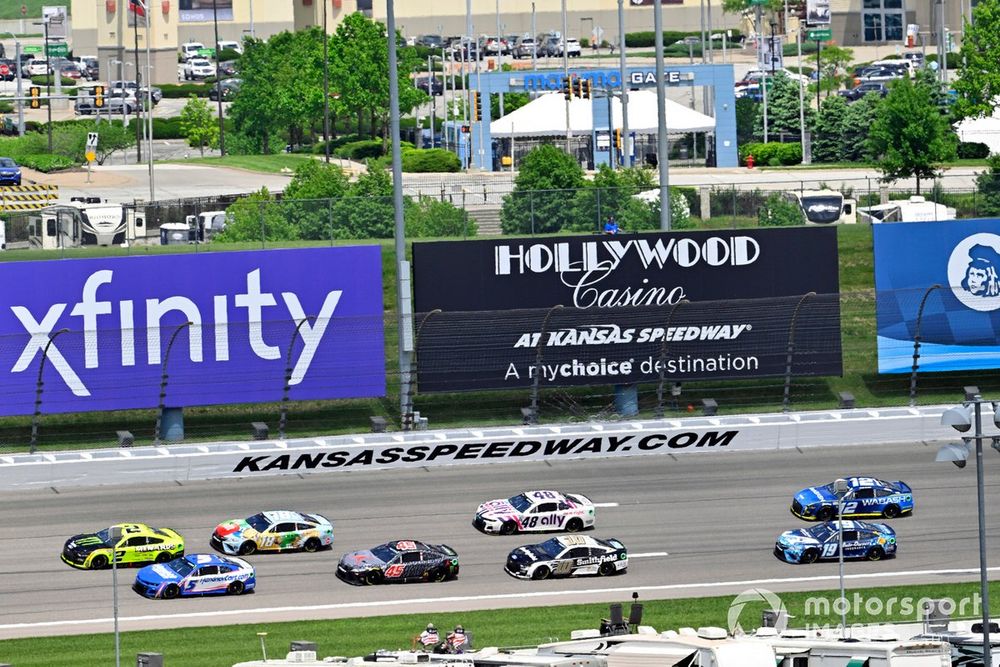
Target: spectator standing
{"x": 611, "y": 226}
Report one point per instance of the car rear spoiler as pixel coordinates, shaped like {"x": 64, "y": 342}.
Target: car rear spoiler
{"x": 448, "y": 550}
{"x": 903, "y": 486}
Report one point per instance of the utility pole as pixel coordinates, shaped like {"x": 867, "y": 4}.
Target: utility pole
{"x": 565, "y": 58}
{"x": 326, "y": 88}
{"x": 662, "y": 147}
{"x": 218, "y": 83}
{"x": 136, "y": 7}
{"x": 623, "y": 75}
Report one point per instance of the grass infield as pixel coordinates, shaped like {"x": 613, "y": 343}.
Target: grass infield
{"x": 224, "y": 646}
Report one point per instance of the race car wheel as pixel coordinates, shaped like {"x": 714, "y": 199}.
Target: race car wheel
{"x": 163, "y": 557}
{"x": 606, "y": 569}
{"x": 373, "y": 578}
{"x": 171, "y": 591}
{"x": 541, "y": 573}
{"x": 826, "y": 513}
{"x": 574, "y": 525}
{"x": 809, "y": 556}
{"x": 312, "y": 544}
{"x": 508, "y": 528}
{"x": 441, "y": 574}
{"x": 236, "y": 588}
{"x": 891, "y": 512}
{"x": 99, "y": 562}
{"x": 248, "y": 548}
{"x": 875, "y": 553}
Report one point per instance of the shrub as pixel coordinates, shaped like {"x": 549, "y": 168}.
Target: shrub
{"x": 973, "y": 150}
{"x": 184, "y": 90}
{"x": 428, "y": 217}
{"x": 430, "y": 160}
{"x": 647, "y": 38}
{"x": 780, "y": 212}
{"x": 773, "y": 154}
{"x": 167, "y": 128}
{"x": 6, "y": 107}
{"x": 49, "y": 79}
{"x": 361, "y": 150}
{"x": 46, "y": 162}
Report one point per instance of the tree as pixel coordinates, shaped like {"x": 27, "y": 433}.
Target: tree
{"x": 831, "y": 61}
{"x": 256, "y": 218}
{"x": 782, "y": 109}
{"x": 978, "y": 84}
{"x": 910, "y": 137}
{"x": 855, "y": 127}
{"x": 307, "y": 200}
{"x": 828, "y": 139}
{"x": 198, "y": 125}
{"x": 548, "y": 177}
{"x": 431, "y": 218}
{"x": 988, "y": 185}
{"x": 608, "y": 194}
{"x": 367, "y": 212}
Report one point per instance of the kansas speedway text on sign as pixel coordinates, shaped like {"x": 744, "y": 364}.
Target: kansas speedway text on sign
{"x": 629, "y": 308}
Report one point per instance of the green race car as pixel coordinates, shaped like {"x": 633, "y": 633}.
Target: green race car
{"x": 132, "y": 543}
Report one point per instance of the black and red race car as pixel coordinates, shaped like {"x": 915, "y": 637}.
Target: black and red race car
{"x": 399, "y": 561}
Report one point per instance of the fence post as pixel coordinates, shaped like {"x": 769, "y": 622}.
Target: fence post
{"x": 600, "y": 217}
{"x": 786, "y": 401}
{"x": 538, "y": 361}
{"x": 663, "y": 359}
{"x": 531, "y": 203}
{"x": 916, "y": 345}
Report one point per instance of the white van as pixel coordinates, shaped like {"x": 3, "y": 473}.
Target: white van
{"x": 190, "y": 49}
{"x": 228, "y": 44}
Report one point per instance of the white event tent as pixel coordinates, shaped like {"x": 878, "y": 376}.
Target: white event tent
{"x": 546, "y": 116}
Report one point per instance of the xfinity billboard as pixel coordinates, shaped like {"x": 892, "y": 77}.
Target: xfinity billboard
{"x": 627, "y": 308}
{"x": 239, "y": 322}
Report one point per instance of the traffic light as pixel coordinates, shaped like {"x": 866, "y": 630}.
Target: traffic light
{"x": 567, "y": 88}
{"x": 618, "y": 138}
{"x": 585, "y": 85}
{"x": 578, "y": 87}
{"x": 477, "y": 108}
{"x": 35, "y": 92}
{"x": 99, "y": 96}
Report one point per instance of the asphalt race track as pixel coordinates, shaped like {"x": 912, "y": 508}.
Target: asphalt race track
{"x": 695, "y": 524}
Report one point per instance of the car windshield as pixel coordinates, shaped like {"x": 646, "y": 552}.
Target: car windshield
{"x": 551, "y": 548}
{"x": 384, "y": 553}
{"x": 520, "y": 502}
{"x": 181, "y": 566}
{"x": 258, "y": 523}
{"x": 823, "y": 531}
{"x": 7, "y": 162}
{"x": 109, "y": 535}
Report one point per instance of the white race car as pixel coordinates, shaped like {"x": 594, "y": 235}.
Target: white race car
{"x": 535, "y": 511}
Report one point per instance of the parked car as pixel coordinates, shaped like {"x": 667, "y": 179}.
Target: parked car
{"x": 493, "y": 46}
{"x": 525, "y": 47}
{"x": 10, "y": 172}
{"x": 8, "y": 70}
{"x": 859, "y": 91}
{"x": 884, "y": 74}
{"x": 431, "y": 86}
{"x": 191, "y": 49}
{"x": 229, "y": 45}
{"x": 198, "y": 68}
{"x": 154, "y": 91}
{"x": 90, "y": 66}
{"x": 915, "y": 57}
{"x": 550, "y": 46}
{"x": 70, "y": 70}
{"x": 113, "y": 106}
{"x": 430, "y": 41}
{"x": 227, "y": 68}
{"x": 229, "y": 88}
{"x": 572, "y": 48}
{"x": 38, "y": 67}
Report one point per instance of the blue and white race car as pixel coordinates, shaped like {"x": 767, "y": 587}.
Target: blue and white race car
{"x": 867, "y": 497}
{"x": 871, "y": 541}
{"x": 195, "y": 574}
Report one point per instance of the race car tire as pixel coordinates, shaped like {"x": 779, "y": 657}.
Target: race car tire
{"x": 826, "y": 513}
{"x": 875, "y": 553}
{"x": 170, "y": 591}
{"x": 99, "y": 562}
{"x": 606, "y": 569}
{"x": 236, "y": 588}
{"x": 311, "y": 545}
{"x": 574, "y": 525}
{"x": 508, "y": 528}
{"x": 163, "y": 557}
{"x": 373, "y": 578}
{"x": 248, "y": 548}
{"x": 541, "y": 573}
{"x": 440, "y": 575}
{"x": 809, "y": 556}
{"x": 891, "y": 511}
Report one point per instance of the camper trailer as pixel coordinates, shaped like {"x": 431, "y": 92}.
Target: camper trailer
{"x": 914, "y": 209}
{"x": 84, "y": 221}
{"x": 195, "y": 228}
{"x": 825, "y": 207}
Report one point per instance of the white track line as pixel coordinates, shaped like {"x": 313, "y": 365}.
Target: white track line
{"x": 386, "y": 604}
{"x": 651, "y": 554}
{"x": 605, "y": 504}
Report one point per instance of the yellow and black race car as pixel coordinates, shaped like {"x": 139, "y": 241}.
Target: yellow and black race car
{"x": 125, "y": 543}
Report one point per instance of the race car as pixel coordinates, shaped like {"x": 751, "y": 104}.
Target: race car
{"x": 195, "y": 574}
{"x": 568, "y": 556}
{"x": 399, "y": 561}
{"x": 866, "y": 497}
{"x": 871, "y": 541}
{"x": 279, "y": 530}
{"x": 535, "y": 511}
{"x": 133, "y": 543}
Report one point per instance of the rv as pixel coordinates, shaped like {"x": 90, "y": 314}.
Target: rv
{"x": 825, "y": 207}
{"x": 84, "y": 221}
{"x": 914, "y": 209}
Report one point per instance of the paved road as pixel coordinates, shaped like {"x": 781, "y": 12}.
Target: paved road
{"x": 716, "y": 516}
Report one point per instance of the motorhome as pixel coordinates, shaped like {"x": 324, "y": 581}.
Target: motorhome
{"x": 825, "y": 207}
{"x": 84, "y": 221}
{"x": 914, "y": 209}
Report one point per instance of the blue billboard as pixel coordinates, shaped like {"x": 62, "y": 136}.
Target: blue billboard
{"x": 226, "y": 327}
{"x": 953, "y": 269}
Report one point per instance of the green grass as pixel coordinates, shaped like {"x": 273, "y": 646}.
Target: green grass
{"x": 272, "y": 164}
{"x": 225, "y": 645}
{"x": 12, "y": 9}
{"x": 867, "y": 166}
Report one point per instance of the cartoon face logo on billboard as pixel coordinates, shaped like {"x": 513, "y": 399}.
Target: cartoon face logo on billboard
{"x": 974, "y": 272}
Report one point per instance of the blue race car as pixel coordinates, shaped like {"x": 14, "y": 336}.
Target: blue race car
{"x": 867, "y": 497}
{"x": 871, "y": 541}
{"x": 195, "y": 574}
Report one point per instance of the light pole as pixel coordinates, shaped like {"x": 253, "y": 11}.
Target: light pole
{"x": 163, "y": 378}
{"x": 962, "y": 419}
{"x": 326, "y": 88}
{"x": 842, "y": 491}
{"x": 122, "y": 65}
{"x": 288, "y": 377}
{"x": 38, "y": 390}
{"x": 48, "y": 79}
{"x": 662, "y": 148}
{"x": 218, "y": 79}
{"x": 623, "y": 74}
{"x": 20, "y": 89}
